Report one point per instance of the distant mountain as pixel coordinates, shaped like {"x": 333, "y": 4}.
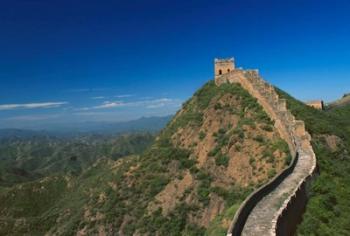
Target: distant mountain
{"x": 345, "y": 100}
{"x": 20, "y": 133}
{"x": 149, "y": 124}
{"x": 144, "y": 124}
{"x": 25, "y": 158}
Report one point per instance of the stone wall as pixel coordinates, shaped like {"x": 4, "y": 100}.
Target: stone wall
{"x": 316, "y": 104}
{"x": 223, "y": 66}
{"x": 293, "y": 132}
{"x": 266, "y": 97}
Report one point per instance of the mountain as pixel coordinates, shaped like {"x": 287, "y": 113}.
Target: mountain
{"x": 345, "y": 100}
{"x": 211, "y": 155}
{"x": 26, "y": 158}
{"x": 144, "y": 124}
{"x": 217, "y": 149}
{"x": 20, "y": 133}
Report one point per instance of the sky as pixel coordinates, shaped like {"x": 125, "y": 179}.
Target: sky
{"x": 81, "y": 61}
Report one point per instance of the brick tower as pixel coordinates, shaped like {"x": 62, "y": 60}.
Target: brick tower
{"x": 223, "y": 66}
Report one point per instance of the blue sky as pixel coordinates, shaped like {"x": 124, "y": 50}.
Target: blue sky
{"x": 75, "y": 61}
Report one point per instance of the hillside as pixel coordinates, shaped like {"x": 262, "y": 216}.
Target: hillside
{"x": 328, "y": 210}
{"x": 345, "y": 100}
{"x": 26, "y": 158}
{"x": 215, "y": 151}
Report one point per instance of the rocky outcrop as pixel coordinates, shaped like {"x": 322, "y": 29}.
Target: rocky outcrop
{"x": 268, "y": 210}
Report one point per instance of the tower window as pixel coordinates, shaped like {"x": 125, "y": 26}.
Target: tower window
{"x": 220, "y": 72}
{"x": 228, "y": 70}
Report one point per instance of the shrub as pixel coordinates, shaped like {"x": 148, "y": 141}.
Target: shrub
{"x": 222, "y": 160}
{"x": 251, "y": 160}
{"x": 215, "y": 151}
{"x": 288, "y": 159}
{"x": 203, "y": 189}
{"x": 201, "y": 135}
{"x": 259, "y": 139}
{"x": 268, "y": 128}
{"x": 238, "y": 147}
{"x": 217, "y": 106}
{"x": 271, "y": 173}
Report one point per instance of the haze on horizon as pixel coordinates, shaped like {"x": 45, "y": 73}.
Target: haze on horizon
{"x": 73, "y": 62}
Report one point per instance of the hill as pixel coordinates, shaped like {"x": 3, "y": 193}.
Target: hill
{"x": 345, "y": 100}
{"x": 215, "y": 151}
{"x": 26, "y": 158}
{"x": 212, "y": 154}
{"x": 20, "y": 133}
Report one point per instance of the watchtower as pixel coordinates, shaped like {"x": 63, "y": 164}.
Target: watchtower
{"x": 317, "y": 104}
{"x": 223, "y": 66}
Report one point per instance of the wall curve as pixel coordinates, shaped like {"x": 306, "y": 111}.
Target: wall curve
{"x": 288, "y": 187}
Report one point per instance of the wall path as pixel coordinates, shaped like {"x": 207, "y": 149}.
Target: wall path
{"x": 266, "y": 210}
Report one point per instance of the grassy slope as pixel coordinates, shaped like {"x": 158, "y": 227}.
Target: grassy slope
{"x": 328, "y": 211}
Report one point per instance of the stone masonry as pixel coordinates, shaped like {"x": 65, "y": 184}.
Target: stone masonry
{"x": 263, "y": 219}
{"x": 223, "y": 66}
{"x": 317, "y": 104}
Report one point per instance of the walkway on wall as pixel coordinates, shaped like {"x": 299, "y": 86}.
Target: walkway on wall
{"x": 261, "y": 219}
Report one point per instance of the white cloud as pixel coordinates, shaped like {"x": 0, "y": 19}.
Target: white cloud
{"x": 89, "y": 113}
{"x": 158, "y": 103}
{"x": 110, "y": 105}
{"x": 98, "y": 97}
{"x": 32, "y": 105}
{"x": 124, "y": 96}
{"x": 150, "y": 104}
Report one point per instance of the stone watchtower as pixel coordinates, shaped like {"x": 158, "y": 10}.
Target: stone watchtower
{"x": 223, "y": 66}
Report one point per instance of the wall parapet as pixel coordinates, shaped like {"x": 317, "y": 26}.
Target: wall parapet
{"x": 246, "y": 207}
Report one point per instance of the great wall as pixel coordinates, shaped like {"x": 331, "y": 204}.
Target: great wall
{"x": 276, "y": 207}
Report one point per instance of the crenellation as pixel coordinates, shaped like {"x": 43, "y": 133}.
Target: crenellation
{"x": 299, "y": 127}
{"x": 282, "y": 104}
{"x": 290, "y": 118}
{"x": 283, "y": 115}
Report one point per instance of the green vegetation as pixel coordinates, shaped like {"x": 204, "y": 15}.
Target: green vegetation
{"x": 201, "y": 135}
{"x": 23, "y": 160}
{"x": 328, "y": 210}
{"x": 88, "y": 184}
{"x": 271, "y": 173}
{"x": 222, "y": 160}
{"x": 203, "y": 189}
{"x": 201, "y": 99}
{"x": 216, "y": 226}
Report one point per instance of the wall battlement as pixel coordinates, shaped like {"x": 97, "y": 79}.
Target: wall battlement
{"x": 264, "y": 217}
